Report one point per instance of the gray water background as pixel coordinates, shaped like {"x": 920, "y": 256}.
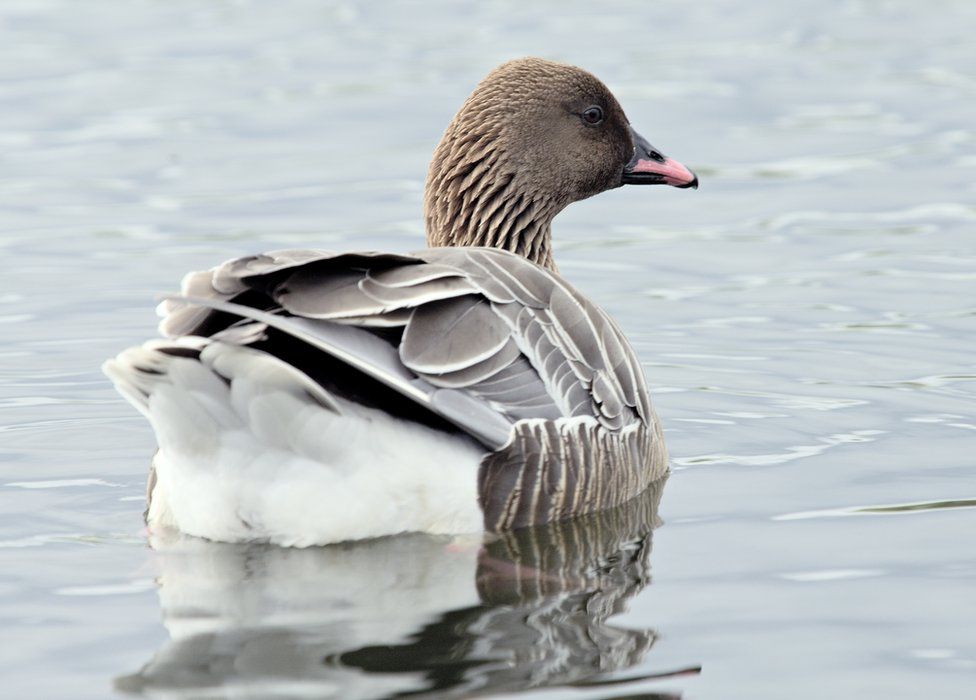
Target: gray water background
{"x": 806, "y": 319}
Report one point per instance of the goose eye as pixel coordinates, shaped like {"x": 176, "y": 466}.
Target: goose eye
{"x": 592, "y": 115}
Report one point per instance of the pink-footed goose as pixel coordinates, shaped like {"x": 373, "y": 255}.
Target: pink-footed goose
{"x": 304, "y": 397}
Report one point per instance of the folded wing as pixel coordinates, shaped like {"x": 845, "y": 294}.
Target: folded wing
{"x": 479, "y": 336}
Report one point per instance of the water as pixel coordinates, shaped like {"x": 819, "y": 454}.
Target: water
{"x": 806, "y": 321}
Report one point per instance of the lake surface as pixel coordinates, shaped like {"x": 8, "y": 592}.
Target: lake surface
{"x": 807, "y": 321}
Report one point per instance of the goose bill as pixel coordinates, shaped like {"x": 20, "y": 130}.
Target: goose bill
{"x": 648, "y": 166}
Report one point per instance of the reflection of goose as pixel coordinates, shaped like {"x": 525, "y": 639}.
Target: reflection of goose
{"x": 309, "y": 397}
{"x": 414, "y": 613}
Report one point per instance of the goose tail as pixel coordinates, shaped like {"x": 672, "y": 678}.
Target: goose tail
{"x": 258, "y": 451}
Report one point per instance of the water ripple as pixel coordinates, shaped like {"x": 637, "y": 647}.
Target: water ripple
{"x": 891, "y": 509}
{"x": 792, "y": 453}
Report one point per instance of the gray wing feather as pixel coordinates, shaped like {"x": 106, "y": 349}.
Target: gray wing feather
{"x": 181, "y": 319}
{"x": 475, "y": 375}
{"x": 505, "y": 278}
{"x": 453, "y": 334}
{"x": 234, "y": 275}
{"x": 395, "y": 297}
{"x": 410, "y": 275}
{"x": 335, "y": 296}
{"x": 354, "y": 294}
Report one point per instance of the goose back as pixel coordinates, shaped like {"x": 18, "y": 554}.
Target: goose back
{"x": 501, "y": 349}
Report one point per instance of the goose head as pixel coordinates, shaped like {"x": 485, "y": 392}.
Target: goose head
{"x": 533, "y": 137}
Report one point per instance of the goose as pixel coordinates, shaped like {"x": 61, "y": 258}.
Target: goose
{"x": 305, "y": 397}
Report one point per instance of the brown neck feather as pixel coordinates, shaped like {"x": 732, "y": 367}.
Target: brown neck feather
{"x": 474, "y": 196}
